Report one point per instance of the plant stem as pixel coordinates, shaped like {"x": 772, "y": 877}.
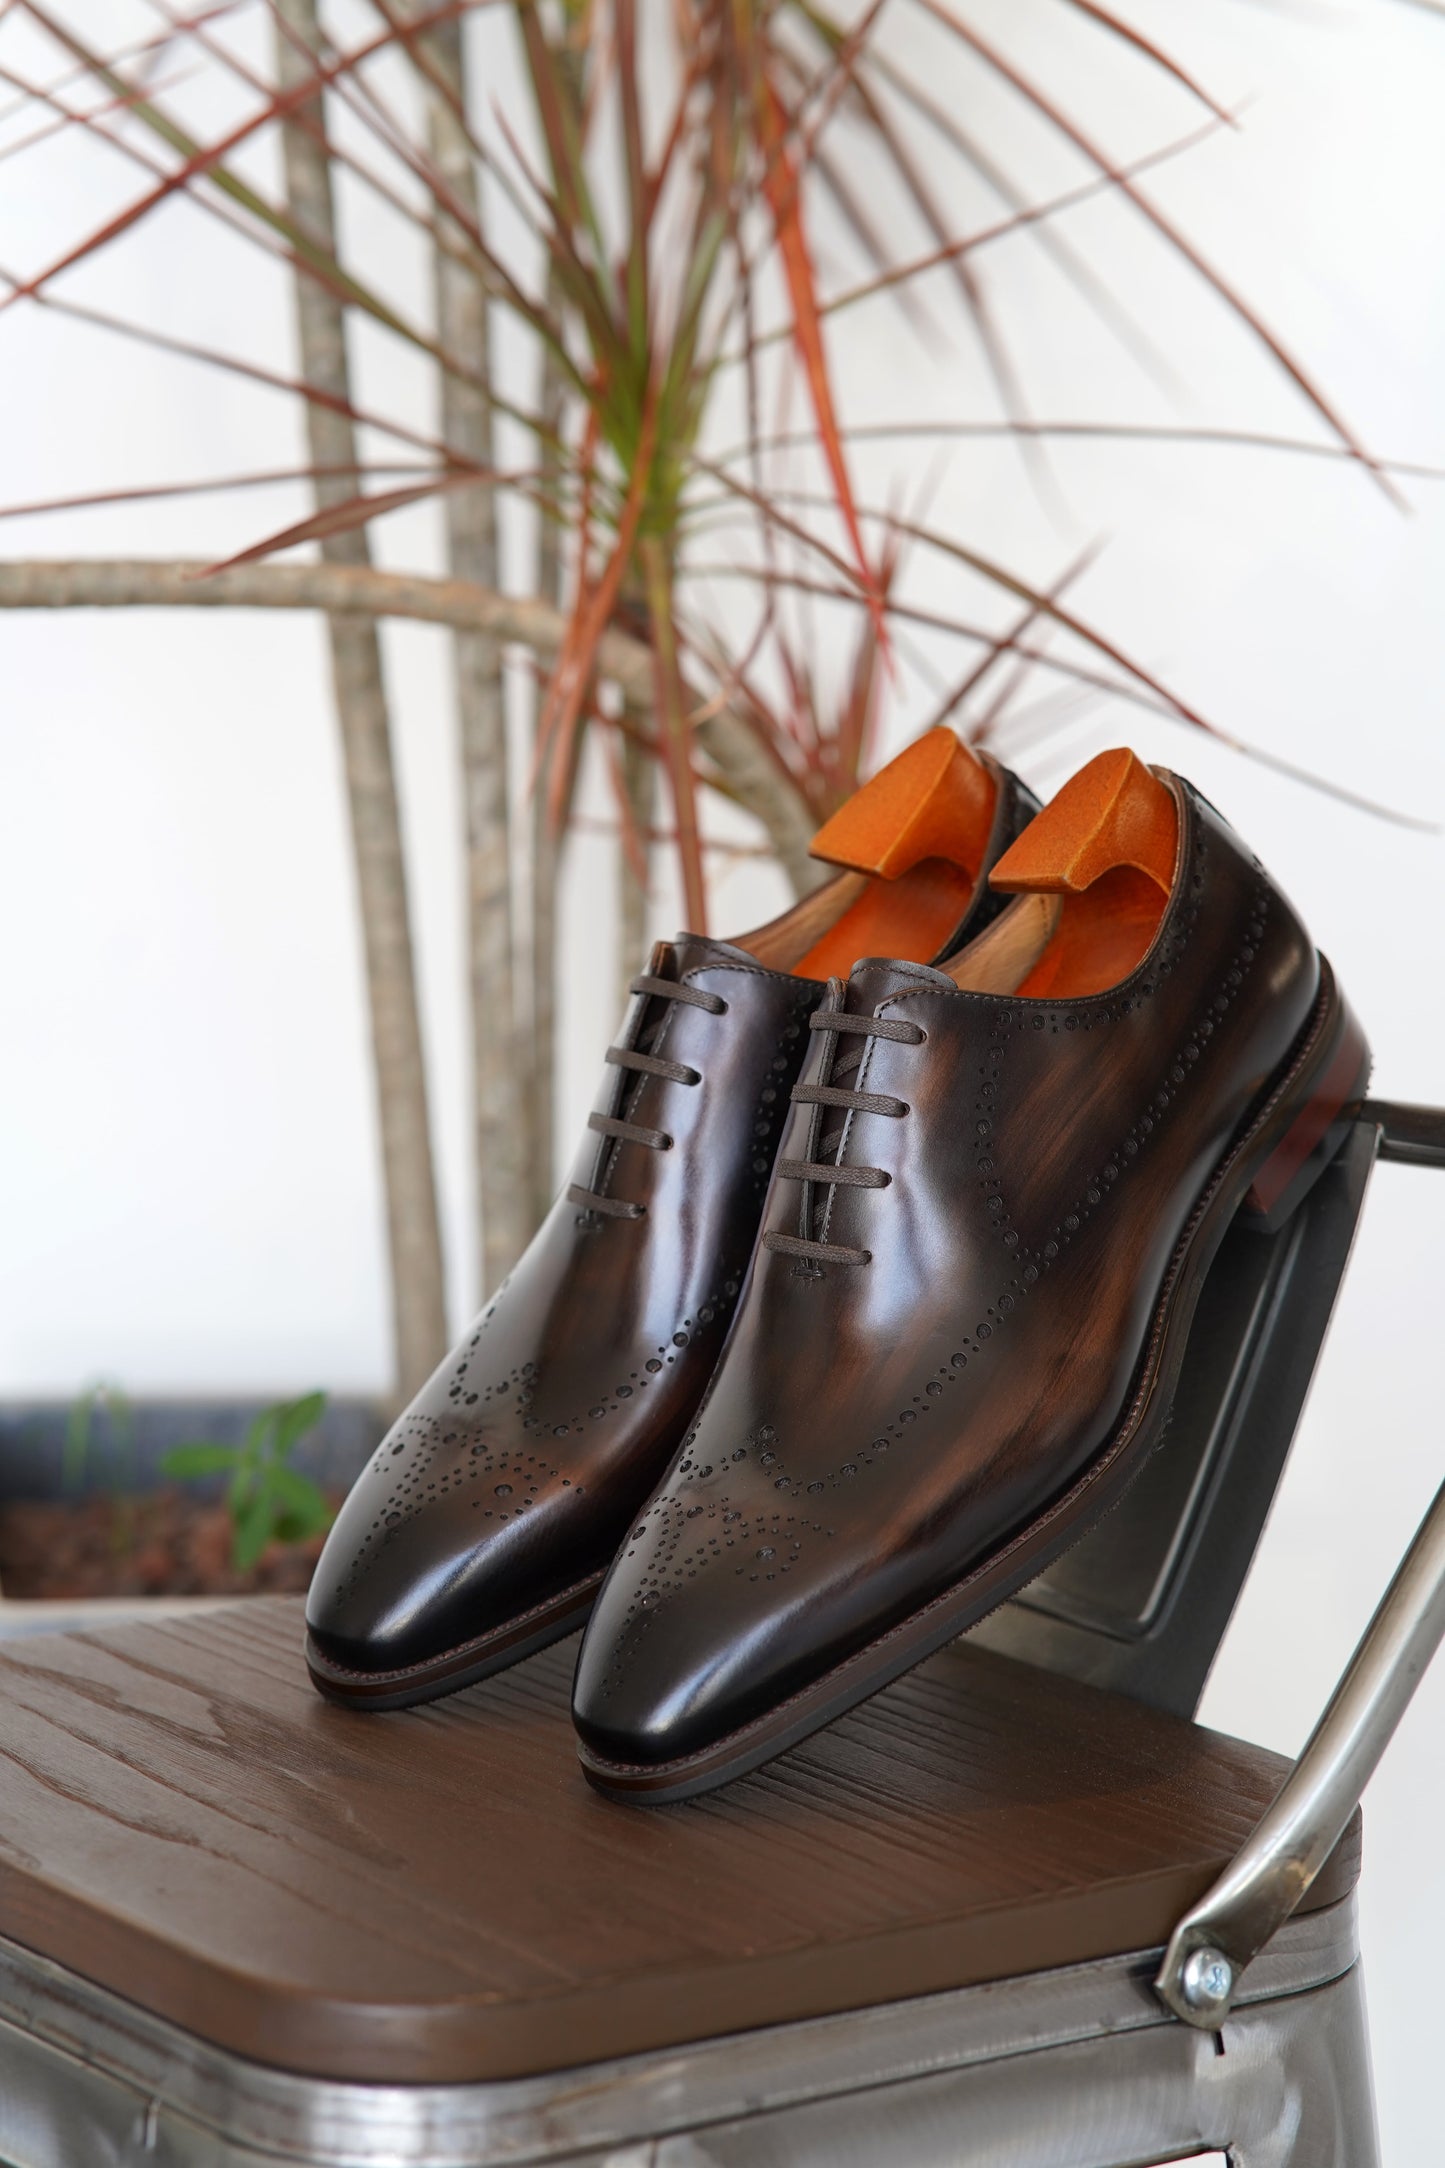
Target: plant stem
{"x": 639, "y": 784}
{"x": 418, "y": 1296}
{"x": 546, "y": 841}
{"x": 499, "y": 1054}
{"x": 759, "y": 785}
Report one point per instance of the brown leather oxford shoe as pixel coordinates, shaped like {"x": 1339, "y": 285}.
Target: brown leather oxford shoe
{"x": 484, "y": 1523}
{"x": 999, "y": 1192}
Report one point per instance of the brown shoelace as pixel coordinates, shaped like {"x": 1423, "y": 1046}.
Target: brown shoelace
{"x": 637, "y": 1059}
{"x": 826, "y": 1169}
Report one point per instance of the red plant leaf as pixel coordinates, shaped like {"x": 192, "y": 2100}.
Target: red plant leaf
{"x": 594, "y": 608}
{"x": 200, "y": 161}
{"x": 1114, "y": 24}
{"x": 781, "y": 184}
{"x": 146, "y": 493}
{"x": 164, "y": 342}
{"x": 1163, "y": 225}
{"x": 1007, "y": 643}
{"x": 355, "y": 512}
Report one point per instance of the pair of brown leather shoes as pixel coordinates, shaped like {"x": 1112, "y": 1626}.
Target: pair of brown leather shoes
{"x": 876, "y": 1289}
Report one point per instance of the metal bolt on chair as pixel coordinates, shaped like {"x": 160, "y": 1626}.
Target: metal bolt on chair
{"x": 1019, "y": 1911}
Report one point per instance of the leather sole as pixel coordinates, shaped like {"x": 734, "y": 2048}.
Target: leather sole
{"x": 462, "y": 1666}
{"x": 1286, "y": 1141}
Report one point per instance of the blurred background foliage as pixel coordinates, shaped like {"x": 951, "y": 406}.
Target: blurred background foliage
{"x": 676, "y": 224}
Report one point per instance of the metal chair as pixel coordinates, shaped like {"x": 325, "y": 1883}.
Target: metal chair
{"x": 1017, "y": 1910}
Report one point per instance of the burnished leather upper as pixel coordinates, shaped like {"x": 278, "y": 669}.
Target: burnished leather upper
{"x": 514, "y": 1472}
{"x": 875, "y": 1429}
{"x": 518, "y": 1468}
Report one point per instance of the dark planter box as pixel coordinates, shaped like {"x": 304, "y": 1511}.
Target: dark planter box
{"x": 33, "y": 1466}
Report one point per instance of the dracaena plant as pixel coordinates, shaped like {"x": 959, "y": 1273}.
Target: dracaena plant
{"x": 680, "y": 171}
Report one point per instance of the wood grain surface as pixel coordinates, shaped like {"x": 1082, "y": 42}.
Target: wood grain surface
{"x": 437, "y": 1895}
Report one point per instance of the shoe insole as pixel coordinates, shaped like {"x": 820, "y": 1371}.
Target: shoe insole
{"x": 910, "y": 918}
{"x": 912, "y": 842}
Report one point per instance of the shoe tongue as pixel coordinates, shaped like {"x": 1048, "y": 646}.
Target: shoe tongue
{"x": 875, "y": 979}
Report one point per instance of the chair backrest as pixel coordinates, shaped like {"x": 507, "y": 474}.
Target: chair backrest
{"x": 1142, "y": 1603}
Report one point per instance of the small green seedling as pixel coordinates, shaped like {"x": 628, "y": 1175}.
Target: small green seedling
{"x": 268, "y": 1499}
{"x": 99, "y": 1454}
{"x": 99, "y": 1440}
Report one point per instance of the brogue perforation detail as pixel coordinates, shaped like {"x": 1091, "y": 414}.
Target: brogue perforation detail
{"x": 770, "y": 1542}
{"x": 1176, "y": 1072}
{"x": 439, "y": 1458}
{"x": 512, "y": 1476}
{"x": 779, "y": 1524}
{"x": 1007, "y": 1022}
{"x": 773, "y": 1101}
{"x": 687, "y": 1533}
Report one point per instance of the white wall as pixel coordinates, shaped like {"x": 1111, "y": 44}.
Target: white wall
{"x": 187, "y": 1154}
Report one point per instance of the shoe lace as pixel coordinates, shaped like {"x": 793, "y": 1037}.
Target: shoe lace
{"x": 825, "y": 1168}
{"x": 636, "y": 1059}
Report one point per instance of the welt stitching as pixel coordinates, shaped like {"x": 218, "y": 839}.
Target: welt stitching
{"x": 463, "y": 1648}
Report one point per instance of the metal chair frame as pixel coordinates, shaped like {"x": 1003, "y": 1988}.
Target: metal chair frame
{"x": 1249, "y": 2038}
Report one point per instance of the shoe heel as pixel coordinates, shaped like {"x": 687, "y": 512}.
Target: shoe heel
{"x": 1321, "y": 1124}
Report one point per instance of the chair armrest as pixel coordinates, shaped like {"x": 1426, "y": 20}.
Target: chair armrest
{"x": 1256, "y": 1894}
{"x": 1412, "y": 1135}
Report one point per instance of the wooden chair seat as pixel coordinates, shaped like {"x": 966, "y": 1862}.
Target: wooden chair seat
{"x": 437, "y": 1896}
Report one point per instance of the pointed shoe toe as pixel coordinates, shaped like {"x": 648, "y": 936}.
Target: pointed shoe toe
{"x": 426, "y": 1594}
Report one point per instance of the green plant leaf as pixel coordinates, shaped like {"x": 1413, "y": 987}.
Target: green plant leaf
{"x": 253, "y": 1528}
{"x": 308, "y": 1510}
{"x": 244, "y": 1484}
{"x": 253, "y": 1448}
{"x": 196, "y": 1459}
{"x": 301, "y": 1527}
{"x": 293, "y": 1419}
{"x": 297, "y": 1489}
